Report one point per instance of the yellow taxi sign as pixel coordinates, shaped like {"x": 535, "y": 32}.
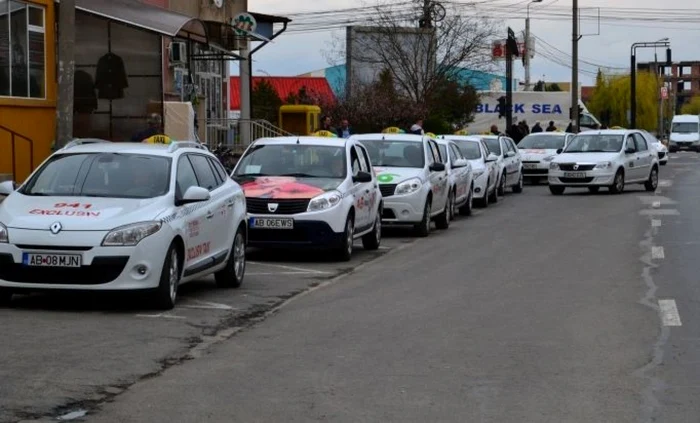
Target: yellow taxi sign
{"x": 324, "y": 133}
{"x": 431, "y": 135}
{"x": 617, "y": 127}
{"x": 158, "y": 139}
{"x": 392, "y": 130}
{"x": 462, "y": 132}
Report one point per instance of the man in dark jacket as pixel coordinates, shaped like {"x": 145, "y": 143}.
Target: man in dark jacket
{"x": 536, "y": 129}
{"x": 494, "y": 130}
{"x": 345, "y": 130}
{"x": 155, "y": 127}
{"x": 551, "y": 127}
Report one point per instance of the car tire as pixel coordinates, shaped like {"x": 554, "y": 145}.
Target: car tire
{"x": 453, "y": 209}
{"x": 5, "y": 297}
{"x": 443, "y": 219}
{"x": 556, "y": 189}
{"x": 502, "y": 186}
{"x": 593, "y": 190}
{"x": 518, "y": 188}
{"x": 344, "y": 252}
{"x": 484, "y": 202}
{"x": 466, "y": 209}
{"x": 423, "y": 228}
{"x": 663, "y": 163}
{"x": 232, "y": 275}
{"x": 372, "y": 240}
{"x": 494, "y": 196}
{"x": 618, "y": 183}
{"x": 653, "y": 182}
{"x": 165, "y": 295}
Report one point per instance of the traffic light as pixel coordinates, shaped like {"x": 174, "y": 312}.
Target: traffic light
{"x": 669, "y": 58}
{"x": 501, "y": 107}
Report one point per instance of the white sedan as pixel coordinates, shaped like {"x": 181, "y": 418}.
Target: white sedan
{"x": 103, "y": 216}
{"x": 459, "y": 171}
{"x": 661, "y": 149}
{"x": 609, "y": 158}
{"x": 484, "y": 170}
{"x": 510, "y": 166}
{"x": 538, "y": 150}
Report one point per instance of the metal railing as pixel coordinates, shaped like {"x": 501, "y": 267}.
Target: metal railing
{"x": 13, "y": 144}
{"x": 238, "y": 132}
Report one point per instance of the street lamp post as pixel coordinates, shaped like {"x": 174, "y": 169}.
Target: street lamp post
{"x": 664, "y": 42}
{"x": 526, "y": 59}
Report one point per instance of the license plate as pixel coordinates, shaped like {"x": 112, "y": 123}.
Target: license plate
{"x": 271, "y": 223}
{"x": 574, "y": 174}
{"x": 530, "y": 166}
{"x": 52, "y": 260}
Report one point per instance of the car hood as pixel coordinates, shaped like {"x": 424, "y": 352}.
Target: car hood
{"x": 76, "y": 213}
{"x": 286, "y": 187}
{"x": 585, "y": 157}
{"x": 477, "y": 164}
{"x": 536, "y": 154}
{"x": 678, "y": 137}
{"x": 396, "y": 175}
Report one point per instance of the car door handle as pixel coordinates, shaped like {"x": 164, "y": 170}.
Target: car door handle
{"x": 230, "y": 203}
{"x": 210, "y": 214}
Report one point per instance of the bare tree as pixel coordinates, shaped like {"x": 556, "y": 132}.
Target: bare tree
{"x": 420, "y": 59}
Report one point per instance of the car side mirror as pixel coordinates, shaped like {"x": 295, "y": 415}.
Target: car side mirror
{"x": 194, "y": 195}
{"x": 7, "y": 187}
{"x": 491, "y": 158}
{"x": 560, "y": 150}
{"x": 630, "y": 151}
{"x": 437, "y": 167}
{"x": 362, "y": 177}
{"x": 510, "y": 154}
{"x": 460, "y": 163}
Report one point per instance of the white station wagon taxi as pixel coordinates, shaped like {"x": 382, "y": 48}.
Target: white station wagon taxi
{"x": 483, "y": 163}
{"x": 460, "y": 174}
{"x": 538, "y": 150}
{"x": 104, "y": 216}
{"x": 313, "y": 192}
{"x": 412, "y": 177}
{"x": 608, "y": 158}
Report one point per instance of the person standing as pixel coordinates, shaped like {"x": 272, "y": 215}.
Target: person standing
{"x": 155, "y": 127}
{"x": 494, "y": 130}
{"x": 551, "y": 127}
{"x": 326, "y": 124}
{"x": 417, "y": 128}
{"x": 345, "y": 130}
{"x": 536, "y": 129}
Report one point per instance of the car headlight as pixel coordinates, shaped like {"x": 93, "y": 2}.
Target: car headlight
{"x": 554, "y": 166}
{"x": 604, "y": 165}
{"x": 325, "y": 201}
{"x": 130, "y": 235}
{"x": 4, "y": 237}
{"x": 549, "y": 158}
{"x": 408, "y": 187}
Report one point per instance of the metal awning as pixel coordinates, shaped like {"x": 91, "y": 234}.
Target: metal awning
{"x": 146, "y": 17}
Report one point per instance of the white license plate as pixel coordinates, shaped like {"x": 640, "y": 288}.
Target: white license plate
{"x": 52, "y": 260}
{"x": 271, "y": 223}
{"x": 529, "y": 165}
{"x": 574, "y": 174}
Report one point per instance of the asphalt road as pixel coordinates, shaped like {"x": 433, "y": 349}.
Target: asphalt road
{"x": 579, "y": 308}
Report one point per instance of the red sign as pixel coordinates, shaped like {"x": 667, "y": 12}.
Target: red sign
{"x": 498, "y": 49}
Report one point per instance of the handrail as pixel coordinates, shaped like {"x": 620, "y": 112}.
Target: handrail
{"x": 13, "y": 136}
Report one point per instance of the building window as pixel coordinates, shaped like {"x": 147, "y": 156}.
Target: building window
{"x": 22, "y": 50}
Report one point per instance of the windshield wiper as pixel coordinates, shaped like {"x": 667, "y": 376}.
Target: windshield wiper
{"x": 42, "y": 194}
{"x": 251, "y": 175}
{"x": 300, "y": 175}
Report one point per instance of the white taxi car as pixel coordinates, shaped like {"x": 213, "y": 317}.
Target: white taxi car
{"x": 483, "y": 163}
{"x": 509, "y": 163}
{"x": 106, "y": 216}
{"x": 661, "y": 149}
{"x": 412, "y": 177}
{"x": 459, "y": 172}
{"x": 310, "y": 191}
{"x": 538, "y": 150}
{"x": 608, "y": 158}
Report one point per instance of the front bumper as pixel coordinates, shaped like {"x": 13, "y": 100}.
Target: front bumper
{"x": 684, "y": 146}
{"x": 305, "y": 233}
{"x": 538, "y": 170}
{"x": 103, "y": 268}
{"x": 592, "y": 178}
{"x": 481, "y": 186}
{"x": 404, "y": 209}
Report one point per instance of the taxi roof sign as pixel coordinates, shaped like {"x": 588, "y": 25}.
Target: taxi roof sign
{"x": 324, "y": 133}
{"x": 462, "y": 132}
{"x": 393, "y": 130}
{"x": 431, "y": 135}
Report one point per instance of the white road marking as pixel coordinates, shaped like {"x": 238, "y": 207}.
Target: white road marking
{"x": 275, "y": 273}
{"x": 659, "y": 212}
{"x": 665, "y": 183}
{"x": 655, "y": 200}
{"x": 205, "y": 305}
{"x": 655, "y": 223}
{"x": 669, "y": 313}
{"x": 72, "y": 415}
{"x": 656, "y": 204}
{"x": 282, "y": 266}
{"x": 657, "y": 253}
{"x": 161, "y": 315}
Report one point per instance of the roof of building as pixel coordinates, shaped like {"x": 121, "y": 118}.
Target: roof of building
{"x": 284, "y": 85}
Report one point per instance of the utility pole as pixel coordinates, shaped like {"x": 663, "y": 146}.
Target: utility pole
{"x": 511, "y": 50}
{"x": 526, "y": 58}
{"x": 66, "y": 72}
{"x": 575, "y": 37}
{"x": 427, "y": 20}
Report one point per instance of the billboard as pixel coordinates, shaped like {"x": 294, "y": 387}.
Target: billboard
{"x": 498, "y": 49}
{"x": 410, "y": 52}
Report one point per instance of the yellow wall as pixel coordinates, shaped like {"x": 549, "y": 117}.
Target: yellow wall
{"x": 34, "y": 119}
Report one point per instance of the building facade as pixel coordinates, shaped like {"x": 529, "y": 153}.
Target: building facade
{"x": 682, "y": 79}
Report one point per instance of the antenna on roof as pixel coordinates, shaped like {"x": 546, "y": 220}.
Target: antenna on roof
{"x": 298, "y": 141}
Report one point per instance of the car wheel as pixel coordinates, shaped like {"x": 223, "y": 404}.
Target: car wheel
{"x": 443, "y": 219}
{"x": 166, "y": 293}
{"x": 423, "y": 228}
{"x": 653, "y": 182}
{"x": 518, "y": 188}
{"x": 372, "y": 240}
{"x": 5, "y": 297}
{"x": 494, "y": 195}
{"x": 593, "y": 190}
{"x": 344, "y": 252}
{"x": 663, "y": 163}
{"x": 618, "y": 183}
{"x": 453, "y": 209}
{"x": 556, "y": 189}
{"x": 232, "y": 275}
{"x": 484, "y": 203}
{"x": 466, "y": 209}
{"x": 502, "y": 186}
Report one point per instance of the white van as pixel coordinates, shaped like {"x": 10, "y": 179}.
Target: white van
{"x": 685, "y": 133}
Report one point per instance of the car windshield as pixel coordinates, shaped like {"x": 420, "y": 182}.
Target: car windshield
{"x": 595, "y": 143}
{"x": 542, "y": 142}
{"x": 304, "y": 161}
{"x": 387, "y": 153}
{"x": 494, "y": 145}
{"x": 470, "y": 149}
{"x": 109, "y": 175}
{"x": 685, "y": 128}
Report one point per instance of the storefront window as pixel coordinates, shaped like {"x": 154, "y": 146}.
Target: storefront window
{"x": 22, "y": 50}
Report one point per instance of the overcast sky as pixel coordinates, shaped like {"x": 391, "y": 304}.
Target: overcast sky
{"x": 300, "y": 51}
